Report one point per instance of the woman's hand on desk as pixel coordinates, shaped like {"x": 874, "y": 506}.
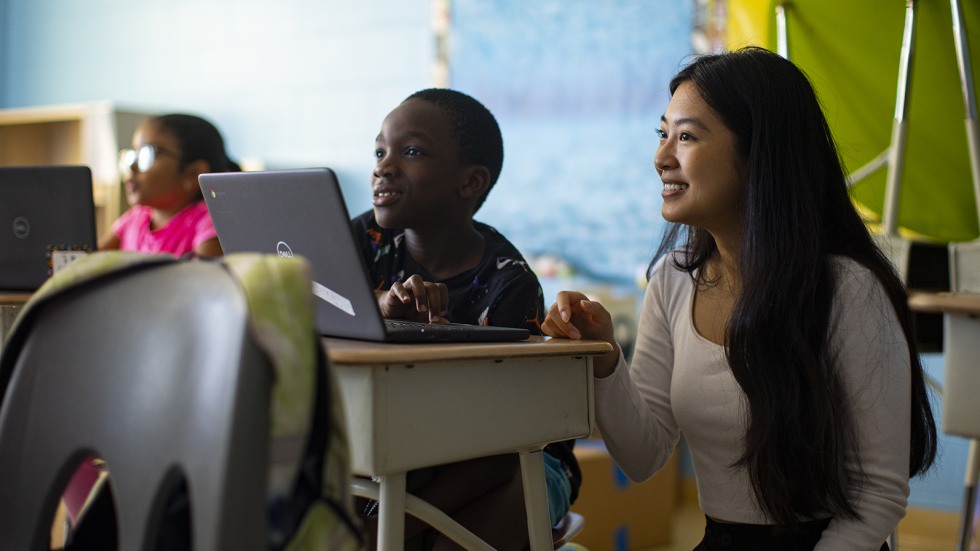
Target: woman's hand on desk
{"x": 415, "y": 299}
{"x": 574, "y": 316}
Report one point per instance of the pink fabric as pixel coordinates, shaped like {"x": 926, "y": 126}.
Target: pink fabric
{"x": 78, "y": 489}
{"x": 191, "y": 227}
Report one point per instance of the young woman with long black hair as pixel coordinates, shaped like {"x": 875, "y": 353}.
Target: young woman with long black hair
{"x": 774, "y": 334}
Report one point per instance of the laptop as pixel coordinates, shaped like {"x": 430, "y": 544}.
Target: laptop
{"x": 44, "y": 211}
{"x": 302, "y": 212}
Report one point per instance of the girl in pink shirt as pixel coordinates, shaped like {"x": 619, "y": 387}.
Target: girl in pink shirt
{"x": 168, "y": 214}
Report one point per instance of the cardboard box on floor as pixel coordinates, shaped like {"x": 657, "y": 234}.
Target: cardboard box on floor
{"x": 621, "y": 515}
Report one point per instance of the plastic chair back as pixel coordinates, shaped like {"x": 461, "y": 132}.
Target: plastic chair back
{"x": 155, "y": 371}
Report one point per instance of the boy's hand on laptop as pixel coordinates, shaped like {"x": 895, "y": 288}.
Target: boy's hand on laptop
{"x": 415, "y": 299}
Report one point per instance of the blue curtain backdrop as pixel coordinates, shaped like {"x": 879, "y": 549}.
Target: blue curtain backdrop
{"x": 578, "y": 88}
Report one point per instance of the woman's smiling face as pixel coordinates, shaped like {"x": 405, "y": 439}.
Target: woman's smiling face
{"x": 698, "y": 161}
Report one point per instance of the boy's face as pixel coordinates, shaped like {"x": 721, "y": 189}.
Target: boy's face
{"x": 418, "y": 175}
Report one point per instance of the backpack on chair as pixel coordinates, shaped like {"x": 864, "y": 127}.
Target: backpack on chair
{"x": 305, "y": 474}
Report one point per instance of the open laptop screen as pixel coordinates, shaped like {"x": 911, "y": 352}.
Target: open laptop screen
{"x": 302, "y": 212}
{"x": 43, "y": 209}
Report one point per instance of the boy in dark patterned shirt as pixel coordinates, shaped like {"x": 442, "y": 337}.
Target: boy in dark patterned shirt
{"x": 438, "y": 155}
{"x": 501, "y": 290}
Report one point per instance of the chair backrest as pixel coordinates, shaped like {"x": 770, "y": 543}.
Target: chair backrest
{"x": 964, "y": 267}
{"x": 961, "y": 409}
{"x": 156, "y": 372}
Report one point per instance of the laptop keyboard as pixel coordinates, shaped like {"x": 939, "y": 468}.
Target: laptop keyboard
{"x": 403, "y": 325}
{"x": 416, "y": 331}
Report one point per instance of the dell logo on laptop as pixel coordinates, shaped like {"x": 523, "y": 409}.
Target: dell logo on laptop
{"x": 22, "y": 228}
{"x": 283, "y": 249}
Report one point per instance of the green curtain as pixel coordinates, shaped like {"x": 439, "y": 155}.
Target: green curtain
{"x": 851, "y": 51}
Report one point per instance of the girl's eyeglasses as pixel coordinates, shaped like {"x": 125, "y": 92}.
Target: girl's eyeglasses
{"x": 142, "y": 159}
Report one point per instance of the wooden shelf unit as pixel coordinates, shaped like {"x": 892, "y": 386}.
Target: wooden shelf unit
{"x": 90, "y": 134}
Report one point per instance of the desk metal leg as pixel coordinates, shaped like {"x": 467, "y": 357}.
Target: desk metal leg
{"x": 427, "y": 513}
{"x": 536, "y": 500}
{"x": 391, "y": 513}
{"x": 970, "y": 495}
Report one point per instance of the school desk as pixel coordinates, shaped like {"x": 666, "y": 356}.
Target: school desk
{"x": 410, "y": 406}
{"x": 10, "y": 304}
{"x": 961, "y": 408}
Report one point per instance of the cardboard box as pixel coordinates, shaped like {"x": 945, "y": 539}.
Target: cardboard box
{"x": 621, "y": 515}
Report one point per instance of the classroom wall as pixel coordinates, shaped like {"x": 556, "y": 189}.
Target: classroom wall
{"x": 291, "y": 83}
{"x": 4, "y": 41}
{"x": 941, "y": 487}
{"x": 579, "y": 93}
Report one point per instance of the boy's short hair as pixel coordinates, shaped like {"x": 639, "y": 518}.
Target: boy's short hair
{"x": 474, "y": 128}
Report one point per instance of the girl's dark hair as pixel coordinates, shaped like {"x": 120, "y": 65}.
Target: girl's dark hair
{"x": 474, "y": 128}
{"x": 797, "y": 215}
{"x": 198, "y": 139}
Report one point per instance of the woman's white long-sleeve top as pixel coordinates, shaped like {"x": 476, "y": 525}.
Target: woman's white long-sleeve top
{"x": 679, "y": 382}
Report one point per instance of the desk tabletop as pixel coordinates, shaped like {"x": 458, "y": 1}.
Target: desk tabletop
{"x": 953, "y": 303}
{"x": 353, "y": 352}
{"x": 14, "y": 298}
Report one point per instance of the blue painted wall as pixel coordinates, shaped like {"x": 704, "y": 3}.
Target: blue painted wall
{"x": 4, "y": 49}
{"x": 292, "y": 83}
{"x": 942, "y": 486}
{"x": 579, "y": 92}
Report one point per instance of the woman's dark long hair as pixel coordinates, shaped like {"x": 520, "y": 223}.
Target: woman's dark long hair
{"x": 797, "y": 215}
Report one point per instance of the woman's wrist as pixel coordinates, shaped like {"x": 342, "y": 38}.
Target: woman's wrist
{"x": 604, "y": 365}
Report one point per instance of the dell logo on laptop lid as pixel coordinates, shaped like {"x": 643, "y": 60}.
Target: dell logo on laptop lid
{"x": 22, "y": 228}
